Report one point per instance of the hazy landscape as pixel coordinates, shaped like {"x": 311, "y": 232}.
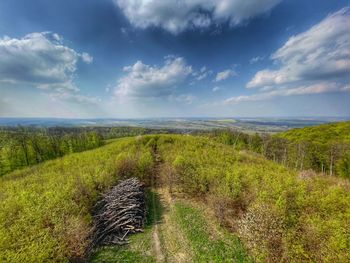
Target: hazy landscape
{"x": 185, "y": 124}
{"x": 174, "y": 131}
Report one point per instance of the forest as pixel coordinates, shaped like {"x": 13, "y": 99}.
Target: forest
{"x": 22, "y": 147}
{"x": 322, "y": 149}
{"x": 26, "y": 146}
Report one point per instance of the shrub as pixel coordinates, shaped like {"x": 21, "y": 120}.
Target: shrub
{"x": 343, "y": 166}
{"x": 126, "y": 165}
{"x": 145, "y": 165}
{"x": 261, "y": 229}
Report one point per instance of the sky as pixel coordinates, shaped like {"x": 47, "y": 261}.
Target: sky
{"x": 167, "y": 58}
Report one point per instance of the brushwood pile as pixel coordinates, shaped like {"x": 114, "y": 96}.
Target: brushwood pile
{"x": 121, "y": 212}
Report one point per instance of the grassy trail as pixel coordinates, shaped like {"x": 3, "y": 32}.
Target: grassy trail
{"x": 178, "y": 230}
{"x": 157, "y": 212}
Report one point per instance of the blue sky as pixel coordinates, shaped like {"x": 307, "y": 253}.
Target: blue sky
{"x": 165, "y": 58}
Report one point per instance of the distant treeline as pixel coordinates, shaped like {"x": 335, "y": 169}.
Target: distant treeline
{"x": 22, "y": 147}
{"x": 324, "y": 148}
{"x": 25, "y": 146}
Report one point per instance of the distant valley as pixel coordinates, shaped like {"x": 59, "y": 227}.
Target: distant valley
{"x": 270, "y": 125}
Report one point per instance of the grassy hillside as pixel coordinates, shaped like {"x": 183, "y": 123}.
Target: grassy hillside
{"x": 45, "y": 209}
{"x": 204, "y": 196}
{"x": 323, "y": 134}
{"x": 277, "y": 214}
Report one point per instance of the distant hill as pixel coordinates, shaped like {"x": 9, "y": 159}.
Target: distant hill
{"x": 323, "y": 134}
{"x": 266, "y": 124}
{"x": 323, "y": 148}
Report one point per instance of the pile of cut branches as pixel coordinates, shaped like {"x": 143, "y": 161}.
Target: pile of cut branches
{"x": 121, "y": 211}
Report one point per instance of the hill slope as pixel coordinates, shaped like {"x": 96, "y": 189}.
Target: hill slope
{"x": 195, "y": 185}
{"x": 324, "y": 134}
{"x": 324, "y": 148}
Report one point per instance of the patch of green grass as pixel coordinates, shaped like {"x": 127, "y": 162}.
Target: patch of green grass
{"x": 120, "y": 255}
{"x": 206, "y": 247}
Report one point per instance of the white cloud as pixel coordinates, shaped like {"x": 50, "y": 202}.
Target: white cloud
{"x": 215, "y": 89}
{"x": 60, "y": 87}
{"x": 180, "y": 15}
{"x": 43, "y": 61}
{"x": 223, "y": 75}
{"x": 203, "y": 73}
{"x": 319, "y": 88}
{"x": 39, "y": 59}
{"x": 184, "y": 98}
{"x": 151, "y": 81}
{"x": 124, "y": 31}
{"x": 75, "y": 98}
{"x": 87, "y": 58}
{"x": 313, "y": 62}
{"x": 256, "y": 59}
{"x": 321, "y": 53}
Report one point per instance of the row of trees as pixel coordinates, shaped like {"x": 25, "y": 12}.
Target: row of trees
{"x": 331, "y": 158}
{"x": 25, "y": 146}
{"x": 20, "y": 147}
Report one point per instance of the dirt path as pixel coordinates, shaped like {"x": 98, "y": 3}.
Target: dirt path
{"x": 157, "y": 214}
{"x": 175, "y": 243}
{"x": 155, "y": 235}
{"x": 169, "y": 243}
{"x": 157, "y": 247}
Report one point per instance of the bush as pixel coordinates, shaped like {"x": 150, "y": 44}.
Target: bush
{"x": 261, "y": 229}
{"x": 343, "y": 166}
{"x": 126, "y": 165}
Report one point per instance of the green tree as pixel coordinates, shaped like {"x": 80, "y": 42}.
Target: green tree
{"x": 343, "y": 166}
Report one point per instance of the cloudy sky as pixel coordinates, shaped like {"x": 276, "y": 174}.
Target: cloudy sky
{"x": 167, "y": 58}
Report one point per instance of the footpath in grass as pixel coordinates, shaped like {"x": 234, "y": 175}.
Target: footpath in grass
{"x": 140, "y": 248}
{"x": 182, "y": 234}
{"x": 206, "y": 246}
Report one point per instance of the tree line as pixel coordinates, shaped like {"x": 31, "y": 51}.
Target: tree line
{"x": 324, "y": 149}
{"x": 330, "y": 157}
{"x": 26, "y": 146}
{"x": 21, "y": 147}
